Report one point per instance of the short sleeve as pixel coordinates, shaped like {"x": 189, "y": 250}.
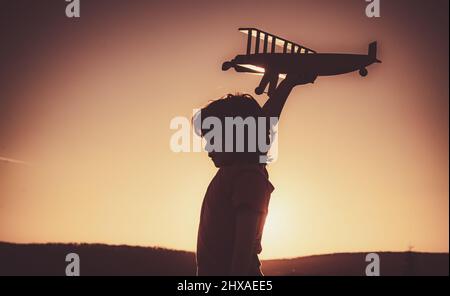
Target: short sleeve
{"x": 252, "y": 189}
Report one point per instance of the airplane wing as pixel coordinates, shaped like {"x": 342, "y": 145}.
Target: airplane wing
{"x": 273, "y": 41}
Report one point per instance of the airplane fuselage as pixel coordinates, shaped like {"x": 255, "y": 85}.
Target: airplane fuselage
{"x": 317, "y": 64}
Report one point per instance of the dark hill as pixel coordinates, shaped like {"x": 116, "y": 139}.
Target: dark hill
{"x": 98, "y": 259}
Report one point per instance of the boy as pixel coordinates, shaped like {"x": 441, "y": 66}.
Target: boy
{"x": 236, "y": 202}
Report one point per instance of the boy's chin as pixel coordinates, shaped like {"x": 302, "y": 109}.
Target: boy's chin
{"x": 218, "y": 163}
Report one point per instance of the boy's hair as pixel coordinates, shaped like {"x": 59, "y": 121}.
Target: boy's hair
{"x": 238, "y": 105}
{"x": 231, "y": 106}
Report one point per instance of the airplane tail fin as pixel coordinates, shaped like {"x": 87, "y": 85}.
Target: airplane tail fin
{"x": 373, "y": 52}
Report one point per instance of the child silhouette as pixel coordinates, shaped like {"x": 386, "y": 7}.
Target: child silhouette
{"x": 236, "y": 202}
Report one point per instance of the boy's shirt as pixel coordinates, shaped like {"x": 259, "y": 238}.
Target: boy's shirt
{"x": 232, "y": 187}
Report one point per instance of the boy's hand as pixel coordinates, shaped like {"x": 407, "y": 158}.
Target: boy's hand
{"x": 275, "y": 103}
{"x": 294, "y": 79}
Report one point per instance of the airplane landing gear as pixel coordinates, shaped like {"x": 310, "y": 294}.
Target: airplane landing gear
{"x": 363, "y": 72}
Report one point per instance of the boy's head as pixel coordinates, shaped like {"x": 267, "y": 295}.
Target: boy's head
{"x": 230, "y": 128}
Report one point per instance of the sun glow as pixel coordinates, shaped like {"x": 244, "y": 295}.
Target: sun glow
{"x": 278, "y": 228}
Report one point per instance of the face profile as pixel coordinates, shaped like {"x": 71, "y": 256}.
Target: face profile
{"x": 234, "y": 130}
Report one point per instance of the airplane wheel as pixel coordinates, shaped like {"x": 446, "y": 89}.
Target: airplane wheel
{"x": 226, "y": 66}
{"x": 259, "y": 90}
{"x": 363, "y": 72}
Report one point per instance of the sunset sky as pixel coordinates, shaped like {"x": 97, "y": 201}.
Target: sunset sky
{"x": 85, "y": 108}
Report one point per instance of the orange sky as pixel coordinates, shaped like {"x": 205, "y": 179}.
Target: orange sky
{"x": 363, "y": 162}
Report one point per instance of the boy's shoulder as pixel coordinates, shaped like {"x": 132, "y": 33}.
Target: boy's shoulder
{"x": 246, "y": 170}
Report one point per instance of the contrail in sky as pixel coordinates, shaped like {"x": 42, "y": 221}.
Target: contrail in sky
{"x": 10, "y": 160}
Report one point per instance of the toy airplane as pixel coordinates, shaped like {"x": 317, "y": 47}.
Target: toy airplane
{"x": 294, "y": 58}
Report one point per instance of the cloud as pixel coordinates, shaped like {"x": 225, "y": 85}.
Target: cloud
{"x": 11, "y": 160}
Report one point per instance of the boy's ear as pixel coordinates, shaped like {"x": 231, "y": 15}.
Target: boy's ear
{"x": 197, "y": 123}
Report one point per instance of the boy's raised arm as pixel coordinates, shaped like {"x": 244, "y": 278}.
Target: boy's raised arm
{"x": 275, "y": 103}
